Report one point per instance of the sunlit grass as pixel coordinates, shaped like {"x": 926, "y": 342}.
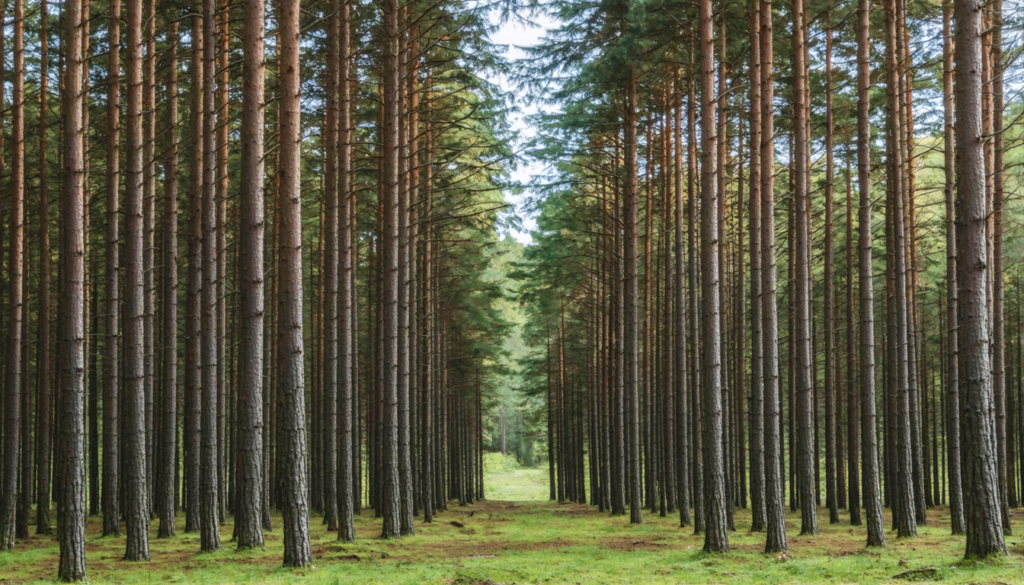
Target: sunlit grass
{"x": 503, "y": 541}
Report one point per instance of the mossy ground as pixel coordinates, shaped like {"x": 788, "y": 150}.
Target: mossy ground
{"x": 503, "y": 541}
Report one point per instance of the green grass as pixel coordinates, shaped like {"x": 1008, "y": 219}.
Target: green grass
{"x": 505, "y": 541}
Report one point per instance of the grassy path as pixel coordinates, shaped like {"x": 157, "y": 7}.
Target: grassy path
{"x": 502, "y": 541}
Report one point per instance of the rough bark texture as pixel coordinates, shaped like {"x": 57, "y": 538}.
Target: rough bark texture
{"x": 978, "y": 453}
{"x": 631, "y": 311}
{"x": 111, "y": 354}
{"x": 209, "y": 509}
{"x": 71, "y": 436}
{"x": 952, "y": 334}
{"x": 806, "y": 452}
{"x": 249, "y": 421}
{"x": 136, "y": 497}
{"x": 167, "y": 461}
{"x": 13, "y": 407}
{"x": 193, "y": 309}
{"x": 756, "y": 441}
{"x": 44, "y": 402}
{"x": 347, "y": 327}
{"x": 869, "y": 452}
{"x": 291, "y": 390}
{"x": 682, "y": 370}
{"x": 716, "y": 537}
{"x": 775, "y": 521}
{"x": 330, "y": 277}
{"x": 389, "y": 481}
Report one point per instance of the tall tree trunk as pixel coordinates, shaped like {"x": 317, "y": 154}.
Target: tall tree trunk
{"x": 682, "y": 370}
{"x": 631, "y": 314}
{"x": 44, "y": 401}
{"x": 978, "y": 455}
{"x": 149, "y": 238}
{"x": 951, "y": 333}
{"x": 295, "y": 509}
{"x": 167, "y": 462}
{"x": 136, "y": 486}
{"x": 347, "y": 327}
{"x": 775, "y": 521}
{"x": 193, "y": 312}
{"x": 111, "y": 354}
{"x": 330, "y": 308}
{"x": 250, "y": 425}
{"x": 221, "y": 177}
{"x": 999, "y": 385}
{"x": 757, "y": 472}
{"x": 390, "y": 488}
{"x": 209, "y": 509}
{"x": 905, "y": 517}
{"x": 71, "y": 437}
{"x": 716, "y": 538}
{"x": 852, "y": 403}
{"x": 13, "y": 407}
{"x": 831, "y": 454}
{"x": 806, "y": 458}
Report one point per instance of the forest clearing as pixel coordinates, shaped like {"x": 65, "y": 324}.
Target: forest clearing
{"x": 499, "y": 541}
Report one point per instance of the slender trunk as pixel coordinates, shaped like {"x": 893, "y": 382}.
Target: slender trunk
{"x": 716, "y": 538}
{"x": 773, "y": 470}
{"x": 630, "y": 283}
{"x": 852, "y": 403}
{"x": 71, "y": 510}
{"x": 390, "y": 488}
{"x": 111, "y": 355}
{"x": 149, "y": 239}
{"x": 136, "y": 486}
{"x": 330, "y": 277}
{"x": 831, "y": 454}
{"x": 168, "y": 441}
{"x": 682, "y": 370}
{"x": 193, "y": 351}
{"x": 757, "y": 457}
{"x": 13, "y": 406}
{"x": 347, "y": 326}
{"x": 806, "y": 457}
{"x": 44, "y": 400}
{"x": 951, "y": 391}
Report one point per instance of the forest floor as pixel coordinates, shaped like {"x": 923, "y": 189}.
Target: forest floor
{"x": 502, "y": 541}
